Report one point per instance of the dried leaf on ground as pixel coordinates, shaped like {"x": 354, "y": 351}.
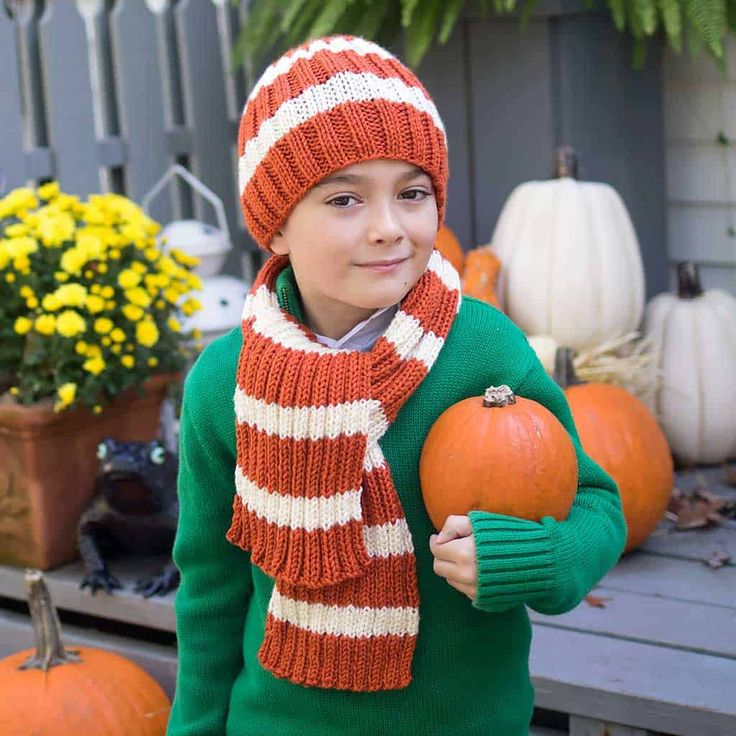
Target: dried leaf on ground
{"x": 596, "y": 601}
{"x": 718, "y": 559}
{"x": 700, "y": 509}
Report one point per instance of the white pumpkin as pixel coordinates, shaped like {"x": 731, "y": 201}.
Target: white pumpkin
{"x": 693, "y": 334}
{"x": 571, "y": 262}
{"x": 546, "y": 348}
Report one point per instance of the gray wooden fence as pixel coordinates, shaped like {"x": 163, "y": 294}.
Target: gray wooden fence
{"x": 105, "y": 94}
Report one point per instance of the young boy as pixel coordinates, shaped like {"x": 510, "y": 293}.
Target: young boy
{"x": 315, "y": 597}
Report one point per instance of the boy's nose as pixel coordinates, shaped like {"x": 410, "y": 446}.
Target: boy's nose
{"x": 385, "y": 228}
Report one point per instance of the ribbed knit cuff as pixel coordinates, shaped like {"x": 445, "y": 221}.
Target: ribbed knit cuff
{"x": 514, "y": 558}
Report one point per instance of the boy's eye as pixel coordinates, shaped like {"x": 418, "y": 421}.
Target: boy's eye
{"x": 342, "y": 201}
{"x": 414, "y": 195}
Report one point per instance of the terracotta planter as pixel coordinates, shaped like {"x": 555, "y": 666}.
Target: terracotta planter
{"x": 48, "y": 463}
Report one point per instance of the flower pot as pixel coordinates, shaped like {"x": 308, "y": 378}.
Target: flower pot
{"x": 48, "y": 465}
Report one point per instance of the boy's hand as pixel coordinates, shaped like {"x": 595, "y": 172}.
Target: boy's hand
{"x": 454, "y": 554}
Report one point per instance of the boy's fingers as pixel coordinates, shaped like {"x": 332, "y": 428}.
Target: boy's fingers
{"x": 455, "y": 527}
{"x": 443, "y": 568}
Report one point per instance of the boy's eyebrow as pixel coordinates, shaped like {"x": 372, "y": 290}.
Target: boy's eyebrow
{"x": 339, "y": 178}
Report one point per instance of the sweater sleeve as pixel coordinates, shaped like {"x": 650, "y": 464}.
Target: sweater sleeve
{"x": 550, "y": 565}
{"x": 216, "y": 582}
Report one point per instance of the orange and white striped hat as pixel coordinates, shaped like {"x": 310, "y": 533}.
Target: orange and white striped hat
{"x": 323, "y": 106}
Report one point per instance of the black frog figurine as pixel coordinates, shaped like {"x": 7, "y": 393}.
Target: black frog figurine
{"x": 134, "y": 511}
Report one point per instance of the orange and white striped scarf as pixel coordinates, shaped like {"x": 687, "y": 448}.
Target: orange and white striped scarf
{"x": 315, "y": 504}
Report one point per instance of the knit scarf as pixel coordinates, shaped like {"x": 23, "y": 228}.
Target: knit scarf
{"x": 315, "y": 502}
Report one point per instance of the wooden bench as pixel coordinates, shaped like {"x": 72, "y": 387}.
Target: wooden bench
{"x": 659, "y": 658}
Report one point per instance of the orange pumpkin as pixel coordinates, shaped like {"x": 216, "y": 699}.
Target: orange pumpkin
{"x": 499, "y": 453}
{"x": 479, "y": 278}
{"x": 620, "y": 433}
{"x": 54, "y": 691}
{"x": 447, "y": 243}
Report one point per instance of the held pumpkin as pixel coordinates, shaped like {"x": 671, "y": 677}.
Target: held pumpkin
{"x": 498, "y": 453}
{"x": 54, "y": 691}
{"x": 447, "y": 243}
{"x": 571, "y": 262}
{"x": 623, "y": 437}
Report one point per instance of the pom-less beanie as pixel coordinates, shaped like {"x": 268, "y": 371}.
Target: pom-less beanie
{"x": 325, "y": 105}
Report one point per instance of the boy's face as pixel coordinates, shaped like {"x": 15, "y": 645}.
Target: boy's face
{"x": 359, "y": 240}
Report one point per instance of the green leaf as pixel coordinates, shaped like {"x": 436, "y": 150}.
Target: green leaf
{"x": 419, "y": 35}
{"x": 526, "y": 13}
{"x": 646, "y": 10}
{"x": 452, "y": 13}
{"x": 672, "y": 22}
{"x": 370, "y": 19}
{"x": 708, "y": 18}
{"x": 618, "y": 11}
{"x": 640, "y": 52}
{"x": 298, "y": 33}
{"x": 327, "y": 18}
{"x": 407, "y": 11}
{"x": 291, "y": 14}
{"x": 731, "y": 14}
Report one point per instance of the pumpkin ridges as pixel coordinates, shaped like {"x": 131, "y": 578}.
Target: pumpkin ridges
{"x": 446, "y": 242}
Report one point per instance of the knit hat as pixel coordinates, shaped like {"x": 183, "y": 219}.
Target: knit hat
{"x": 321, "y": 107}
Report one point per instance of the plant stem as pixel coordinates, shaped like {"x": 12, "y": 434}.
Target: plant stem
{"x": 50, "y": 650}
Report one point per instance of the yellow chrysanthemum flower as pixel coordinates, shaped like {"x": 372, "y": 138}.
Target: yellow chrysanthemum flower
{"x": 103, "y": 325}
{"x": 51, "y": 302}
{"x": 73, "y": 260}
{"x": 22, "y": 325}
{"x": 139, "y": 267}
{"x": 128, "y": 361}
{"x": 118, "y": 335}
{"x": 26, "y": 291}
{"x": 95, "y": 365}
{"x": 71, "y": 295}
{"x": 196, "y": 333}
{"x": 61, "y": 277}
{"x": 67, "y": 392}
{"x": 128, "y": 278}
{"x": 70, "y": 323}
{"x": 16, "y": 230}
{"x": 10, "y": 278}
{"x": 171, "y": 295}
{"x": 116, "y": 349}
{"x": 191, "y": 306}
{"x": 45, "y": 324}
{"x": 153, "y": 361}
{"x": 152, "y": 254}
{"x": 146, "y": 333}
{"x": 93, "y": 351}
{"x": 80, "y": 347}
{"x": 31, "y": 302}
{"x": 49, "y": 191}
{"x": 173, "y": 324}
{"x": 132, "y": 312}
{"x": 138, "y": 296}
{"x": 107, "y": 291}
{"x": 94, "y": 304}
{"x": 97, "y": 409}
{"x": 106, "y": 341}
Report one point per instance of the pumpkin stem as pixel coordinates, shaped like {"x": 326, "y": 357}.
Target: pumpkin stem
{"x": 566, "y": 163}
{"x": 50, "y": 650}
{"x": 498, "y": 396}
{"x": 688, "y": 280}
{"x": 564, "y": 372}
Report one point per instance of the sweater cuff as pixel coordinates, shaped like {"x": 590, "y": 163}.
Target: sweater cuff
{"x": 514, "y": 559}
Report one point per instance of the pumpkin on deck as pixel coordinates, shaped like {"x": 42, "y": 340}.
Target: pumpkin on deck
{"x": 623, "y": 437}
{"x": 693, "y": 334}
{"x": 571, "y": 262}
{"x": 479, "y": 277}
{"x": 54, "y": 691}
{"x": 499, "y": 453}
{"x": 447, "y": 243}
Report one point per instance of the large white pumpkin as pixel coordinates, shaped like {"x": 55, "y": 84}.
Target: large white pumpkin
{"x": 693, "y": 335}
{"x": 571, "y": 262}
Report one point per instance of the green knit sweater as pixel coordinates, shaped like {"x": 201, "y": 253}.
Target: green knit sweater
{"x": 470, "y": 669}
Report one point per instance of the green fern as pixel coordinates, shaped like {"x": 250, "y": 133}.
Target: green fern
{"x": 274, "y": 25}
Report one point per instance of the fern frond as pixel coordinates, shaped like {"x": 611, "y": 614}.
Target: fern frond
{"x": 708, "y": 18}
{"x": 672, "y": 22}
{"x": 647, "y": 12}
{"x": 407, "y": 11}
{"x": 327, "y": 18}
{"x": 526, "y": 13}
{"x": 452, "y": 13}
{"x": 618, "y": 11}
{"x": 419, "y": 34}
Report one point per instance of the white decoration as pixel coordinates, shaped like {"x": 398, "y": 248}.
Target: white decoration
{"x": 693, "y": 336}
{"x": 571, "y": 266}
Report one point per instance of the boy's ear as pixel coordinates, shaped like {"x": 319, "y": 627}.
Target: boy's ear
{"x": 278, "y": 244}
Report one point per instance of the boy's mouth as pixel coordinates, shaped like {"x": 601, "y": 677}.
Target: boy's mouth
{"x": 384, "y": 265}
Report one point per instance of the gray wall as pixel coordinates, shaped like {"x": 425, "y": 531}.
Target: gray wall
{"x": 106, "y": 96}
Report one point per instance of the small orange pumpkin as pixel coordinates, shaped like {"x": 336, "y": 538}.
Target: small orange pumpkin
{"x": 479, "y": 278}
{"x": 623, "y": 437}
{"x": 498, "y": 453}
{"x": 55, "y": 691}
{"x": 447, "y": 243}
